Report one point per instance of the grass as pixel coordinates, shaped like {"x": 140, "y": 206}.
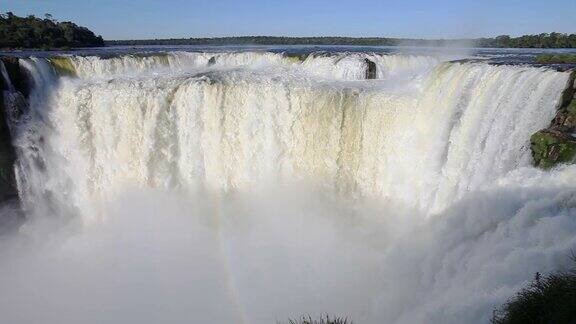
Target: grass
{"x": 550, "y": 299}
{"x": 321, "y": 320}
{"x": 556, "y": 59}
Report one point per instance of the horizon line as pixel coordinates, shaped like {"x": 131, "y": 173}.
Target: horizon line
{"x": 349, "y": 37}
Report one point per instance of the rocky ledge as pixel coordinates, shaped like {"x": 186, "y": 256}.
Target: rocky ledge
{"x": 557, "y": 143}
{"x": 17, "y": 88}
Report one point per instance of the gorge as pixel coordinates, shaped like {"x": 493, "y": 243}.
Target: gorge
{"x": 253, "y": 186}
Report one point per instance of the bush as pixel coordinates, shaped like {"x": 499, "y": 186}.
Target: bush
{"x": 322, "y": 320}
{"x": 551, "y": 299}
{"x": 47, "y": 33}
{"x": 556, "y": 58}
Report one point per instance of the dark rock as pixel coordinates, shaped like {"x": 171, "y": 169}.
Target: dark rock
{"x": 565, "y": 119}
{"x": 296, "y": 57}
{"x": 17, "y": 75}
{"x": 212, "y": 60}
{"x": 568, "y": 94}
{"x": 17, "y": 97}
{"x": 8, "y": 189}
{"x": 370, "y": 69}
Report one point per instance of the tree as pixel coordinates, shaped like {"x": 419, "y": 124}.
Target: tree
{"x": 33, "y": 32}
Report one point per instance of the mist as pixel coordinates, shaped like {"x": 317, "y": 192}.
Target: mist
{"x": 265, "y": 257}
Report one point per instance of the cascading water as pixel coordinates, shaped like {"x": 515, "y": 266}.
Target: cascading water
{"x": 415, "y": 187}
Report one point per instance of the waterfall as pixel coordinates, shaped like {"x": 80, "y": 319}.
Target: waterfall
{"x": 441, "y": 147}
{"x": 128, "y": 122}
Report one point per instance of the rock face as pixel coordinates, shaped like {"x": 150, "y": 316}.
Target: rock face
{"x": 16, "y": 74}
{"x": 8, "y": 188}
{"x": 370, "y": 70}
{"x": 63, "y": 65}
{"x": 557, "y": 144}
{"x": 296, "y": 57}
{"x": 7, "y": 155}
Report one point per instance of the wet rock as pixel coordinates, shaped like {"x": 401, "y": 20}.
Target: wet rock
{"x": 565, "y": 119}
{"x": 370, "y": 69}
{"x": 296, "y": 57}
{"x": 17, "y": 75}
{"x": 557, "y": 144}
{"x": 8, "y": 189}
{"x": 63, "y": 65}
{"x": 570, "y": 91}
{"x": 17, "y": 99}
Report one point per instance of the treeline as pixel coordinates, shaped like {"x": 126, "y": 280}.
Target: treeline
{"x": 259, "y": 40}
{"x": 552, "y": 40}
{"x": 47, "y": 33}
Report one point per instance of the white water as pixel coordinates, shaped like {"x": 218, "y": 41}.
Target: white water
{"x": 5, "y": 77}
{"x": 258, "y": 187}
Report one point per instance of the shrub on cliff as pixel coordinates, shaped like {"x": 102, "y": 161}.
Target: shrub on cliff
{"x": 556, "y": 59}
{"x": 551, "y": 299}
{"x": 322, "y": 320}
{"x": 47, "y": 33}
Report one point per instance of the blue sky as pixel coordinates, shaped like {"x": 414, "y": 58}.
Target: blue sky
{"x": 126, "y": 19}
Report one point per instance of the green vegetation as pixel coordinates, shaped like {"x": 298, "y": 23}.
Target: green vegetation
{"x": 551, "y": 40}
{"x": 557, "y": 144}
{"x": 556, "y": 59}
{"x": 545, "y": 40}
{"x": 47, "y": 33}
{"x": 550, "y": 148}
{"x": 322, "y": 320}
{"x": 261, "y": 40}
{"x": 546, "y": 300}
